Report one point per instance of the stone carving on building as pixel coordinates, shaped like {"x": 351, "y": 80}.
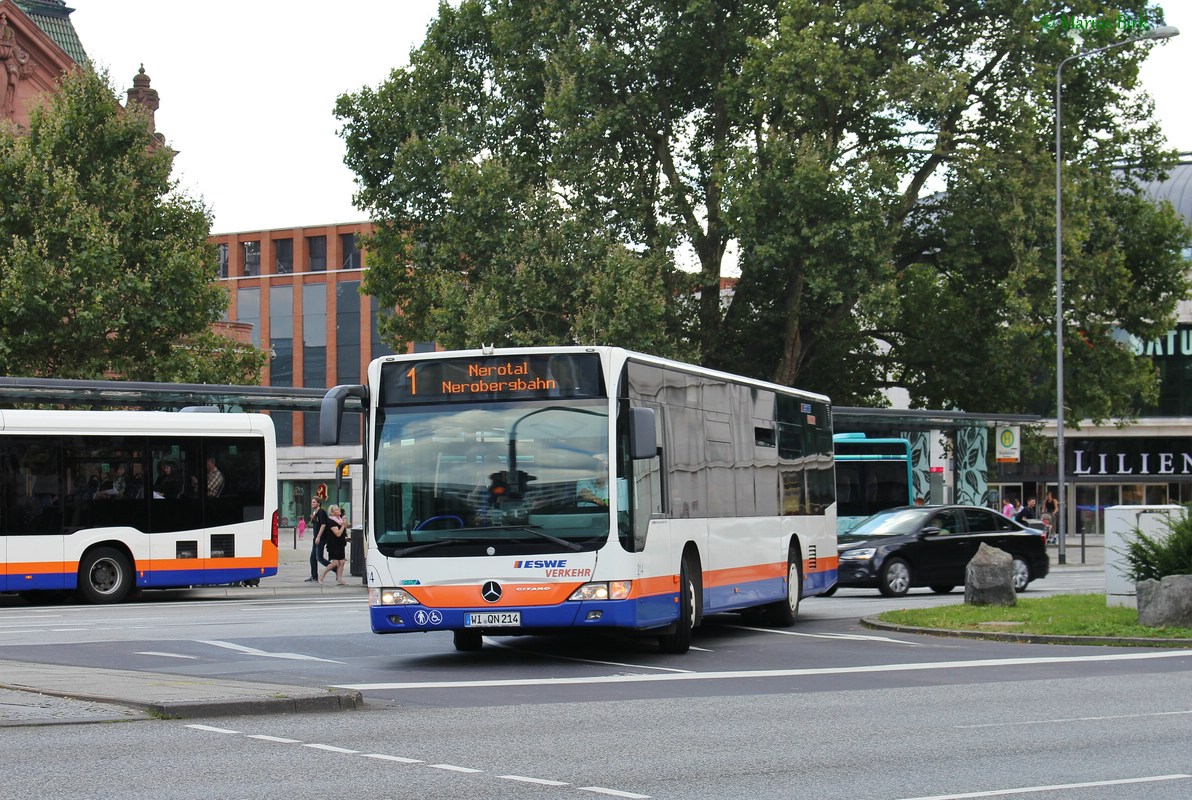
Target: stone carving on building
{"x": 17, "y": 66}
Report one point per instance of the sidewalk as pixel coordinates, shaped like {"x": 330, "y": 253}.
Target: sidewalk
{"x": 46, "y": 694}
{"x": 1090, "y": 555}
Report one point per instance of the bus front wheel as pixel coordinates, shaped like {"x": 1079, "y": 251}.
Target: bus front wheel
{"x": 679, "y": 641}
{"x": 105, "y": 576}
{"x": 468, "y": 641}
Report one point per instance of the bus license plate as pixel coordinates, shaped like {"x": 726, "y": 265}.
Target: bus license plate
{"x": 493, "y": 619}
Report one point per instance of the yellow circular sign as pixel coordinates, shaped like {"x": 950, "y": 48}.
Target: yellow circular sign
{"x": 1007, "y": 438}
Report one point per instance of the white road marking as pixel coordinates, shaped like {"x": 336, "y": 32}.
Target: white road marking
{"x": 1056, "y": 787}
{"x": 586, "y": 660}
{"x": 164, "y": 655}
{"x": 330, "y": 748}
{"x": 398, "y": 759}
{"x": 1073, "y": 719}
{"x": 613, "y": 792}
{"x": 252, "y": 651}
{"x": 210, "y": 729}
{"x": 770, "y": 673}
{"x": 857, "y": 637}
{"x": 538, "y": 781}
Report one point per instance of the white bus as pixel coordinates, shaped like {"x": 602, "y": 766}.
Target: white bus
{"x": 542, "y": 490}
{"x": 106, "y": 502}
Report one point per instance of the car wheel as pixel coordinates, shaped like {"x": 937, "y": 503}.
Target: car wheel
{"x": 942, "y": 588}
{"x": 105, "y": 576}
{"x": 895, "y": 579}
{"x": 679, "y": 641}
{"x": 1022, "y": 574}
{"x": 468, "y": 641}
{"x": 784, "y": 613}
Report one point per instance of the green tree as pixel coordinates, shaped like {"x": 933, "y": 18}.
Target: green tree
{"x": 567, "y": 138}
{"x": 105, "y": 268}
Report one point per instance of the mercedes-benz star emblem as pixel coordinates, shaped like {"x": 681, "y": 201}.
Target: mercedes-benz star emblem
{"x": 491, "y": 591}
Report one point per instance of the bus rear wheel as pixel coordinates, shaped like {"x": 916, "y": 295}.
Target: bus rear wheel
{"x": 105, "y": 576}
{"x": 784, "y": 613}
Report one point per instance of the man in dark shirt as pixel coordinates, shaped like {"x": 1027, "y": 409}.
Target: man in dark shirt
{"x": 319, "y": 523}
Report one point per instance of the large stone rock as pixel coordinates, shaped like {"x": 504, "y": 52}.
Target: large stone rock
{"x": 1166, "y": 603}
{"x": 989, "y": 578}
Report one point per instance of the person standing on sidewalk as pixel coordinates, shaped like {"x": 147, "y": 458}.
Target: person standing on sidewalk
{"x": 320, "y": 526}
{"x": 337, "y": 539}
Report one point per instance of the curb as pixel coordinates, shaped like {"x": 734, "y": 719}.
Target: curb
{"x": 332, "y": 701}
{"x": 157, "y": 694}
{"x": 1024, "y": 638}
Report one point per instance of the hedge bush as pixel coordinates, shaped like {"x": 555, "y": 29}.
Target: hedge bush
{"x": 1155, "y": 557}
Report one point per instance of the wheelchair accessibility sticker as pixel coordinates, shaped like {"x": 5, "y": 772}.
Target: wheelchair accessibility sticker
{"x": 428, "y": 617}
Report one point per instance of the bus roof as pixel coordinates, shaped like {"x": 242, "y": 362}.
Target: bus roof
{"x": 130, "y": 422}
{"x": 614, "y": 357}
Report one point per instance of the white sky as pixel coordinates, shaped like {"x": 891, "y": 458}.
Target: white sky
{"x": 248, "y": 91}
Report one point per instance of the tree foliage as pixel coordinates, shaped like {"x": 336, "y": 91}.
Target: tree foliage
{"x": 105, "y": 269}
{"x": 879, "y": 168}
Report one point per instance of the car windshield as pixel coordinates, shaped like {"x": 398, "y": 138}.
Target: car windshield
{"x": 890, "y": 523}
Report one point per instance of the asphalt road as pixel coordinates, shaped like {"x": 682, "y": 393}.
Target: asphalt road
{"x": 824, "y": 709}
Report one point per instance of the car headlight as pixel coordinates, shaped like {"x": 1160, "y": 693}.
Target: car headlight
{"x": 860, "y": 554}
{"x": 608, "y": 590}
{"x": 394, "y": 597}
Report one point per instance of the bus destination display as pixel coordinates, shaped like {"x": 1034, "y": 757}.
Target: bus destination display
{"x": 492, "y": 378}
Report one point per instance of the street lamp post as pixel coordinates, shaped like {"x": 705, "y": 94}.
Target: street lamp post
{"x": 1061, "y": 509}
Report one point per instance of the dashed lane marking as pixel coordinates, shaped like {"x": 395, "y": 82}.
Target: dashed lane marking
{"x": 539, "y": 781}
{"x": 401, "y": 760}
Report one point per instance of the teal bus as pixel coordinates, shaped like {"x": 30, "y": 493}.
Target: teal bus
{"x": 871, "y": 476}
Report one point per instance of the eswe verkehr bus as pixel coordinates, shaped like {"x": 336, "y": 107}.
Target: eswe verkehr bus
{"x": 545, "y": 490}
{"x": 105, "y": 502}
{"x": 872, "y": 474}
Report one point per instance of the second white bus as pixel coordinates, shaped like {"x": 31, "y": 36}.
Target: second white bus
{"x": 103, "y": 503}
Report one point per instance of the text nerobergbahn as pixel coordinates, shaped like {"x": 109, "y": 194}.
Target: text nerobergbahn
{"x": 546, "y": 490}
{"x": 105, "y": 502}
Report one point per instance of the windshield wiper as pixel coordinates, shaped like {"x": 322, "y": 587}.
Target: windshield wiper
{"x": 534, "y": 529}
{"x": 429, "y": 545}
{"x": 537, "y": 531}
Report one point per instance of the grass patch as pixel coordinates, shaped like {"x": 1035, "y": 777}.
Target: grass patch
{"x": 1060, "y": 615}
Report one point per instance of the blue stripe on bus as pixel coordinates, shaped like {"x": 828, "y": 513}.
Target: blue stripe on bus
{"x": 164, "y": 579}
{"x": 648, "y": 612}
{"x": 161, "y": 579}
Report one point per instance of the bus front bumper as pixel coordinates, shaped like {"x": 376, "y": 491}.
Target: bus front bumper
{"x": 634, "y": 614}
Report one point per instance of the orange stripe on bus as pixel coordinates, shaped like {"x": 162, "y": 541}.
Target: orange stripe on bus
{"x": 31, "y": 568}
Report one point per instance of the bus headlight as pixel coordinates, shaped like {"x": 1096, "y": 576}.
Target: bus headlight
{"x": 604, "y": 590}
{"x": 396, "y": 597}
{"x": 860, "y": 554}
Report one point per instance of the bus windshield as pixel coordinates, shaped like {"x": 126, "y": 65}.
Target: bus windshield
{"x": 526, "y": 476}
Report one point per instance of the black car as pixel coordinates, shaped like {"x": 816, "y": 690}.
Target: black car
{"x": 899, "y": 548}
